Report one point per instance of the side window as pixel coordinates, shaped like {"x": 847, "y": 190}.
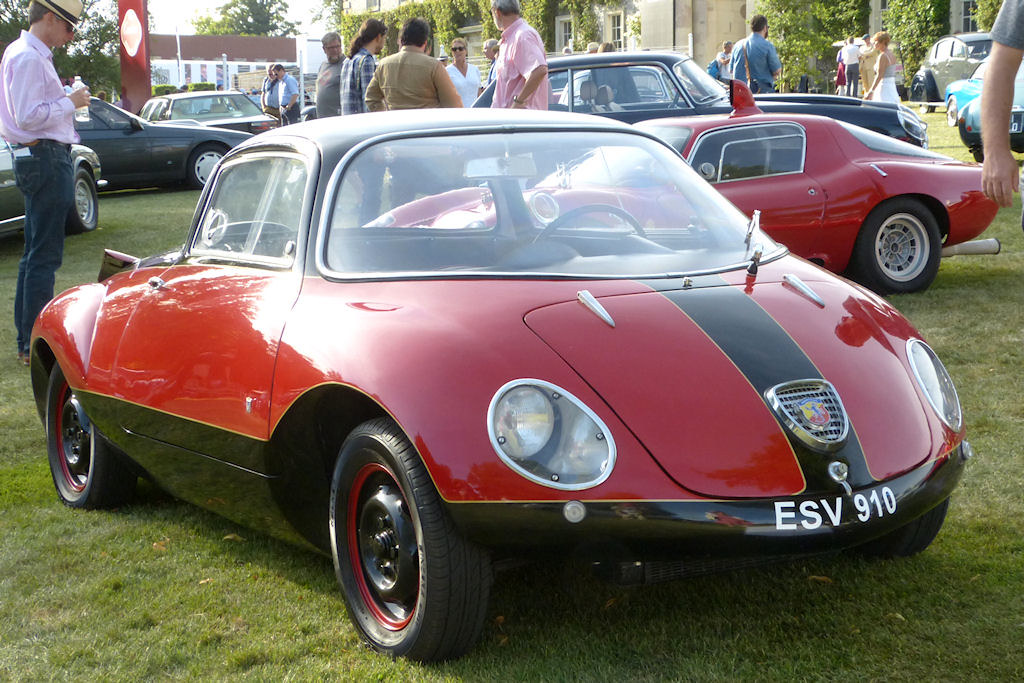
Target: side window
{"x": 744, "y": 152}
{"x": 108, "y": 117}
{"x": 255, "y": 211}
{"x": 620, "y": 88}
{"x": 959, "y": 50}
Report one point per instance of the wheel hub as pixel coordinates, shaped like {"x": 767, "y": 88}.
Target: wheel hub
{"x": 76, "y": 441}
{"x": 387, "y": 545}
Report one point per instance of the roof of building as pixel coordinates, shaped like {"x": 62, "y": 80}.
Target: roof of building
{"x": 210, "y": 48}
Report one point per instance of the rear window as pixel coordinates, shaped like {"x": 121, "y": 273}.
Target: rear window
{"x": 887, "y": 145}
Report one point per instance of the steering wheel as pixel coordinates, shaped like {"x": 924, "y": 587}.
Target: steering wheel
{"x": 559, "y": 222}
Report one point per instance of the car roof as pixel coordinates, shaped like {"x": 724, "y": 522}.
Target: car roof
{"x": 972, "y": 37}
{"x": 592, "y": 59}
{"x": 360, "y": 127}
{"x": 198, "y": 93}
{"x": 700, "y": 124}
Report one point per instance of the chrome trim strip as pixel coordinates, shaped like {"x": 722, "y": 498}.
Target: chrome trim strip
{"x": 802, "y": 287}
{"x": 595, "y": 307}
{"x": 880, "y": 171}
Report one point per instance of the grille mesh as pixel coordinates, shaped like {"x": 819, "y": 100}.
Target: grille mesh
{"x": 812, "y": 409}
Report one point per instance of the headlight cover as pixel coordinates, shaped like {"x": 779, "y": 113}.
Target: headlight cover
{"x": 549, "y": 436}
{"x": 936, "y": 383}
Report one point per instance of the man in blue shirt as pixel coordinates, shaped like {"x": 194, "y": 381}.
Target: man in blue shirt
{"x": 757, "y": 51}
{"x": 268, "y": 94}
{"x": 287, "y": 96}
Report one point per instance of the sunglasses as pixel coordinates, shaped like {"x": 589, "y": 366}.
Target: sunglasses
{"x": 68, "y": 28}
{"x": 458, "y": 48}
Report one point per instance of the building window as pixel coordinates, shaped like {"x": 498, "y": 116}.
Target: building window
{"x": 563, "y": 32}
{"x": 615, "y": 30}
{"x": 968, "y": 22}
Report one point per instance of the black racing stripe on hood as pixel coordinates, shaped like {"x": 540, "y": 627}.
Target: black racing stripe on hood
{"x": 766, "y": 355}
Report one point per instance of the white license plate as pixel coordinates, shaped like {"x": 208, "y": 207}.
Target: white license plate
{"x": 1017, "y": 123}
{"x": 791, "y": 515}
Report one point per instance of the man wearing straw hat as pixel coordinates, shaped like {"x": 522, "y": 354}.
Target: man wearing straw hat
{"x": 36, "y": 118}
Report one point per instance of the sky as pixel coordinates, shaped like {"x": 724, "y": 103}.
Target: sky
{"x": 168, "y": 13}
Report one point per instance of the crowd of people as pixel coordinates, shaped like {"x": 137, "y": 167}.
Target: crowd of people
{"x": 869, "y": 68}
{"x": 355, "y": 81}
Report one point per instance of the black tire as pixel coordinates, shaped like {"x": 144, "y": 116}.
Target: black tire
{"x": 911, "y": 538}
{"x": 951, "y": 112}
{"x": 978, "y": 153}
{"x": 86, "y": 471}
{"x": 898, "y": 248}
{"x": 413, "y": 586}
{"x": 926, "y": 108}
{"x": 85, "y": 212}
{"x": 201, "y": 163}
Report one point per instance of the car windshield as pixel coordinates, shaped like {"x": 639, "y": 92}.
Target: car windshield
{"x": 701, "y": 86}
{"x": 979, "y": 49}
{"x": 213, "y": 107}
{"x": 573, "y": 204}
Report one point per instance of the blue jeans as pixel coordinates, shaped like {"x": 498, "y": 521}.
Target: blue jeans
{"x": 45, "y": 179}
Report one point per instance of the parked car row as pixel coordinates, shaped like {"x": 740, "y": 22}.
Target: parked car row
{"x": 138, "y": 153}
{"x": 638, "y": 86}
{"x": 951, "y": 58}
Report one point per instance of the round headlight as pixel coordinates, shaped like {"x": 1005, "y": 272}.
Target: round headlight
{"x": 523, "y": 421}
{"x": 936, "y": 383}
{"x": 549, "y": 436}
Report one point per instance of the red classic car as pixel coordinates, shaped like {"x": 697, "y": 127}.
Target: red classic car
{"x": 842, "y": 196}
{"x": 424, "y": 341}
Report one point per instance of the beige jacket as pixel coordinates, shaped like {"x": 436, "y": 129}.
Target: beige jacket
{"x": 410, "y": 80}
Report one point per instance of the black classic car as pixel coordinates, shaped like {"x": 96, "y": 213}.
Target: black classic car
{"x": 137, "y": 153}
{"x": 86, "y": 211}
{"x": 637, "y": 86}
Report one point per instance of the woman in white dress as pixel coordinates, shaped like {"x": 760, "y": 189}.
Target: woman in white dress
{"x": 884, "y": 87}
{"x": 464, "y": 75}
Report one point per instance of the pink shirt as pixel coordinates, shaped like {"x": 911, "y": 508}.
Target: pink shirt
{"x": 521, "y": 51}
{"x": 33, "y": 104}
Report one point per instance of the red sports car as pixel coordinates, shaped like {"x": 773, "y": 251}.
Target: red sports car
{"x": 842, "y": 196}
{"x": 423, "y": 341}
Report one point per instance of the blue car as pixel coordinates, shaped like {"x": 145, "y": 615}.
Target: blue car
{"x": 968, "y": 117}
{"x": 959, "y": 93}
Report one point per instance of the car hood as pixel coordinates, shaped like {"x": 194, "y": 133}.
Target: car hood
{"x": 687, "y": 371}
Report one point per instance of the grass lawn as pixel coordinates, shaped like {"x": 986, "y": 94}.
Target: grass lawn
{"x": 162, "y": 590}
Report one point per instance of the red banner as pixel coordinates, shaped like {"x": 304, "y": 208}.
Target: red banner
{"x": 132, "y": 18}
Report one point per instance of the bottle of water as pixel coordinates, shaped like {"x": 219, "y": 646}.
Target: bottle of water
{"x": 81, "y": 113}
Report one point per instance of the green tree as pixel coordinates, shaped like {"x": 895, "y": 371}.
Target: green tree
{"x": 803, "y": 33}
{"x": 247, "y": 18}
{"x": 93, "y": 54}
{"x": 985, "y": 13}
{"x": 914, "y": 25}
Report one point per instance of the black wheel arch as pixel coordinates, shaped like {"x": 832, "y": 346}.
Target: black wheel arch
{"x": 936, "y": 208}
{"x": 304, "y": 447}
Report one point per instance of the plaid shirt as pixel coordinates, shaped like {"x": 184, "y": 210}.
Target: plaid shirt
{"x": 356, "y": 74}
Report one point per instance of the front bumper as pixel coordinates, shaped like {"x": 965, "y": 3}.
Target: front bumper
{"x": 681, "y": 529}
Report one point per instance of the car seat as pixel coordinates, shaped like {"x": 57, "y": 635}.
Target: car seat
{"x": 603, "y": 100}
{"x": 588, "y": 91}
